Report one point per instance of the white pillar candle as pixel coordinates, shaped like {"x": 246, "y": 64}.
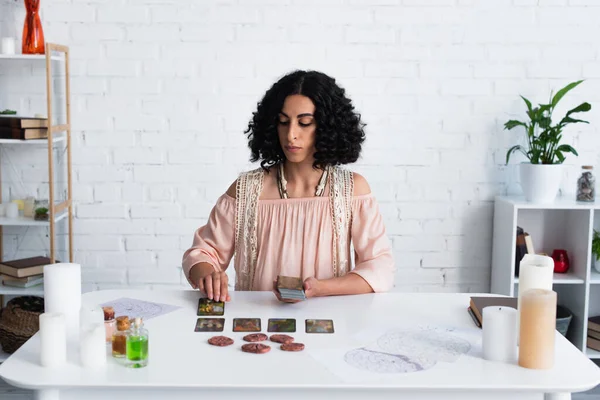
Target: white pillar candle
{"x": 8, "y": 45}
{"x": 535, "y": 272}
{"x": 11, "y": 210}
{"x": 90, "y": 316}
{"x": 53, "y": 339}
{"x": 92, "y": 346}
{"x": 500, "y": 334}
{"x": 62, "y": 293}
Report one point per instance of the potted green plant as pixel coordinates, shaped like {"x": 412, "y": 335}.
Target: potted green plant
{"x": 41, "y": 214}
{"x": 596, "y": 250}
{"x": 541, "y": 175}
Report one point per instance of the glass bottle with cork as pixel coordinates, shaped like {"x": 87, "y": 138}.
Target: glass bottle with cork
{"x": 109, "y": 322}
{"x": 137, "y": 345}
{"x": 586, "y": 184}
{"x": 119, "y": 339}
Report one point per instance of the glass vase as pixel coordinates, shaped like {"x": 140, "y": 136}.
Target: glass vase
{"x": 33, "y": 34}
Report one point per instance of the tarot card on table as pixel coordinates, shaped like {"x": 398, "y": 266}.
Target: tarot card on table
{"x": 319, "y": 326}
{"x": 210, "y": 325}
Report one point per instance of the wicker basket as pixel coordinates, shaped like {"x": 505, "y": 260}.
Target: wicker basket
{"x": 19, "y": 321}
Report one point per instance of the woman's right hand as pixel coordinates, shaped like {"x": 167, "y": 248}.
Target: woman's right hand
{"x": 213, "y": 283}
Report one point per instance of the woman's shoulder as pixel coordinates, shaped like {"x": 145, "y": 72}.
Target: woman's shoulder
{"x": 359, "y": 183}
{"x": 256, "y": 173}
{"x": 361, "y": 186}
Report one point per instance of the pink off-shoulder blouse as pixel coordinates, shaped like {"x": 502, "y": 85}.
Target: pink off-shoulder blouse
{"x": 295, "y": 238}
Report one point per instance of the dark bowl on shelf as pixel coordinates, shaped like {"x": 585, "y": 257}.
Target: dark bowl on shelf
{"x": 563, "y": 319}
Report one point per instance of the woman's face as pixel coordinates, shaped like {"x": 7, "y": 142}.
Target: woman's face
{"x": 297, "y": 129}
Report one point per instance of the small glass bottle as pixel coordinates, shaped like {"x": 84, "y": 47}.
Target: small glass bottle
{"x": 109, "y": 322}
{"x": 137, "y": 345}
{"x": 586, "y": 184}
{"x": 119, "y": 338}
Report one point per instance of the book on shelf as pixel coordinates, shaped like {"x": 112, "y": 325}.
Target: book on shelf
{"x": 24, "y": 267}
{"x": 26, "y": 282}
{"x": 524, "y": 246}
{"x": 23, "y": 133}
{"x": 593, "y": 344}
{"x": 593, "y": 334}
{"x": 22, "y": 122}
{"x": 529, "y": 243}
{"x": 594, "y": 323}
{"x": 477, "y": 304}
{"x": 521, "y": 249}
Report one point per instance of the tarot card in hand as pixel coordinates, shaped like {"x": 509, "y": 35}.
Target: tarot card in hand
{"x": 246, "y": 324}
{"x": 281, "y": 325}
{"x": 210, "y": 325}
{"x": 210, "y": 307}
{"x": 290, "y": 288}
{"x": 319, "y": 326}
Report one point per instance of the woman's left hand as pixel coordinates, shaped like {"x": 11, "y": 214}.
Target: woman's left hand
{"x": 311, "y": 289}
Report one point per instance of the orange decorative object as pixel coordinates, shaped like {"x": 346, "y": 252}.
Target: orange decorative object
{"x": 33, "y": 34}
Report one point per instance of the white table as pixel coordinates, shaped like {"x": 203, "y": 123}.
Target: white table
{"x": 183, "y": 366}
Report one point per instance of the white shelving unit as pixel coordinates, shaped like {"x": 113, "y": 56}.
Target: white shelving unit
{"x": 57, "y": 133}
{"x": 563, "y": 224}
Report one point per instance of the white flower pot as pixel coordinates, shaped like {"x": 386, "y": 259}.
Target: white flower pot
{"x": 540, "y": 182}
{"x": 597, "y": 264}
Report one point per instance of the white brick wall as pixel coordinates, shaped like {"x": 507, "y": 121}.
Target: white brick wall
{"x": 163, "y": 90}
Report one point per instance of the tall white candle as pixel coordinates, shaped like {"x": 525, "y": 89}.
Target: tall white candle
{"x": 535, "y": 272}
{"x": 92, "y": 346}
{"x": 53, "y": 338}
{"x": 62, "y": 293}
{"x": 500, "y": 334}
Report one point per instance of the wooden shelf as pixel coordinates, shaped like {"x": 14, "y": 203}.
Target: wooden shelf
{"x": 24, "y": 221}
{"x": 33, "y": 57}
{"x": 564, "y": 279}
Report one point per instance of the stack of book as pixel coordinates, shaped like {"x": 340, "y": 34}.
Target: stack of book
{"x": 593, "y": 333}
{"x": 24, "y": 272}
{"x": 23, "y": 128}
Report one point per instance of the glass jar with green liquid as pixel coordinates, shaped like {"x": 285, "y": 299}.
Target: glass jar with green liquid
{"x": 137, "y": 345}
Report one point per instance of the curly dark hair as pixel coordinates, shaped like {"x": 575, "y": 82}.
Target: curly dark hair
{"x": 339, "y": 130}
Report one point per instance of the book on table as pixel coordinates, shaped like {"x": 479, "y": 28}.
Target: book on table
{"x": 477, "y": 305}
